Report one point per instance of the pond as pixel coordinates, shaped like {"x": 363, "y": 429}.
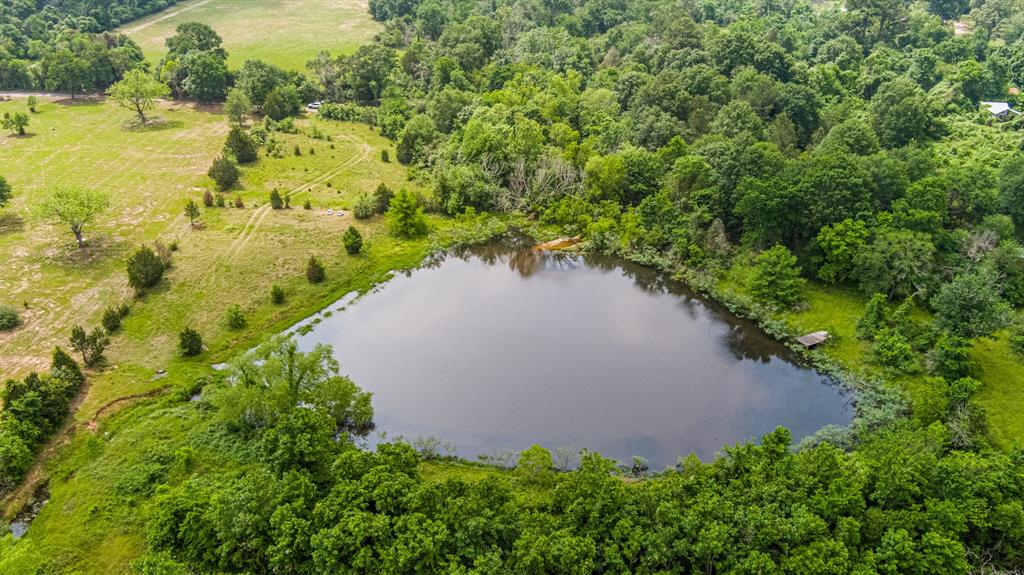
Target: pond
{"x": 499, "y": 347}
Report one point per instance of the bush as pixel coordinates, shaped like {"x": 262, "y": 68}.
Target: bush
{"x": 951, "y": 358}
{"x": 276, "y": 202}
{"x": 241, "y": 145}
{"x": 9, "y": 318}
{"x": 190, "y": 343}
{"x": 207, "y": 199}
{"x": 15, "y": 457}
{"x": 236, "y": 319}
{"x": 382, "y": 198}
{"x": 298, "y": 150}
{"x": 1017, "y": 338}
{"x": 307, "y": 206}
{"x": 347, "y": 112}
{"x": 875, "y": 317}
{"x": 405, "y": 217}
{"x": 384, "y": 156}
{"x": 223, "y": 172}
{"x": 67, "y": 368}
{"x": 276, "y": 294}
{"x": 145, "y": 269}
{"x": 111, "y": 320}
{"x": 535, "y": 466}
{"x": 971, "y": 306}
{"x": 220, "y": 201}
{"x": 165, "y": 254}
{"x": 90, "y": 345}
{"x": 364, "y": 208}
{"x": 161, "y": 563}
{"x": 315, "y": 271}
{"x": 353, "y": 240}
{"x": 5, "y": 191}
{"x": 892, "y": 350}
{"x": 776, "y": 278}
{"x": 238, "y": 202}
{"x": 282, "y": 102}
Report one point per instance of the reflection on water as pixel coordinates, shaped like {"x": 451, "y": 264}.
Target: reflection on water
{"x": 499, "y": 347}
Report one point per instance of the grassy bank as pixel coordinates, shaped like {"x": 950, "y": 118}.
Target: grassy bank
{"x": 837, "y": 310}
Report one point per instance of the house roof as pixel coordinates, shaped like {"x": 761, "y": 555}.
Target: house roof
{"x": 997, "y": 108}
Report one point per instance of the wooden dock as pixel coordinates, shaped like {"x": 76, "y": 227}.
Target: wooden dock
{"x": 813, "y": 339}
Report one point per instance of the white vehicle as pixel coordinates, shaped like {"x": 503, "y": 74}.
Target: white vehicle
{"x": 314, "y": 105}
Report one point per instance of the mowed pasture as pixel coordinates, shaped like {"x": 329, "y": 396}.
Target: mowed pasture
{"x": 287, "y": 33}
{"x": 150, "y": 175}
{"x": 137, "y": 403}
{"x": 83, "y": 143}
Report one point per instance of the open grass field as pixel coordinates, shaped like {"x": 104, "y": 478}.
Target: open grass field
{"x": 128, "y": 413}
{"x": 287, "y": 33}
{"x": 150, "y": 175}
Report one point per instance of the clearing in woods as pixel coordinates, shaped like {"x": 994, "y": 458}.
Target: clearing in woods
{"x": 150, "y": 175}
{"x": 234, "y": 257}
{"x": 287, "y": 33}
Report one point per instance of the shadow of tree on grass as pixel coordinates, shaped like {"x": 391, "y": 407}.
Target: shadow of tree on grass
{"x": 11, "y": 224}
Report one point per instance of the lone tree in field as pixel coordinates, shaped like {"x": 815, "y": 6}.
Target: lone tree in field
{"x": 145, "y": 269}
{"x": 32, "y": 102}
{"x": 75, "y": 207}
{"x": 241, "y": 145}
{"x": 190, "y": 342}
{"x": 224, "y": 172}
{"x": 405, "y": 217}
{"x": 276, "y": 201}
{"x": 16, "y": 122}
{"x": 90, "y": 345}
{"x": 353, "y": 240}
{"x": 315, "y": 271}
{"x": 138, "y": 91}
{"x": 192, "y": 212}
{"x": 5, "y": 192}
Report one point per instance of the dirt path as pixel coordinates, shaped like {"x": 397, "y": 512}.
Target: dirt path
{"x": 115, "y": 404}
{"x": 166, "y": 16}
{"x": 261, "y": 213}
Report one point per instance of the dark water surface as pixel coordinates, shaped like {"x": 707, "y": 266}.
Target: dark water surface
{"x": 499, "y": 348}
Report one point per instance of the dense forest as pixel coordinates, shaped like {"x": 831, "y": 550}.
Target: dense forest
{"x": 821, "y": 144}
{"x": 65, "y": 44}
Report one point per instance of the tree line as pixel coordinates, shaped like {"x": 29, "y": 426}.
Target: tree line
{"x": 301, "y": 497}
{"x": 66, "y": 45}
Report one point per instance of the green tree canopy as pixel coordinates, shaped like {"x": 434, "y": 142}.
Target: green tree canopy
{"x": 138, "y": 92}
{"x": 75, "y": 207}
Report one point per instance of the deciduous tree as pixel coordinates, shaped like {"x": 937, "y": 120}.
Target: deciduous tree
{"x": 776, "y": 277}
{"x": 138, "y": 92}
{"x": 16, "y": 122}
{"x": 970, "y": 306}
{"x": 75, "y": 207}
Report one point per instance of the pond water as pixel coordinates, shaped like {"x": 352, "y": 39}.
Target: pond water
{"x": 497, "y": 348}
